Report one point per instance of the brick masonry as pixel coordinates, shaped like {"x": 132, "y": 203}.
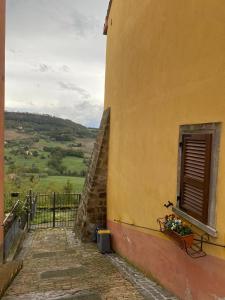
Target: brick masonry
{"x": 92, "y": 210}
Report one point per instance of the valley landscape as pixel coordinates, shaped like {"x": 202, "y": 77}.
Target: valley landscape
{"x": 45, "y": 154}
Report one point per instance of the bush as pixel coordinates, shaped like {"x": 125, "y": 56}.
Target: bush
{"x": 57, "y": 151}
{"x": 35, "y": 153}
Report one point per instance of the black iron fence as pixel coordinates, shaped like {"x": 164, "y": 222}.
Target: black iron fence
{"x": 38, "y": 211}
{"x": 55, "y": 210}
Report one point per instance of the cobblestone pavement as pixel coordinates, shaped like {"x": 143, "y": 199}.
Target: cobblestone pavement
{"x": 148, "y": 288}
{"x": 57, "y": 266}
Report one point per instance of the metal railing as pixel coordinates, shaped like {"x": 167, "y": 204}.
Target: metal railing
{"x": 16, "y": 222}
{"x": 55, "y": 210}
{"x": 38, "y": 211}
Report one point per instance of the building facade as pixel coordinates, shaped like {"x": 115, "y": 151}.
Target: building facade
{"x": 165, "y": 86}
{"x": 2, "y": 82}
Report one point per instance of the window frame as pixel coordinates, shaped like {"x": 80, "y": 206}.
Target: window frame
{"x": 209, "y": 128}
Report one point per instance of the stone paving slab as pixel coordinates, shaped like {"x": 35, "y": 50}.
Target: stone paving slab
{"x": 57, "y": 266}
{"x": 99, "y": 279}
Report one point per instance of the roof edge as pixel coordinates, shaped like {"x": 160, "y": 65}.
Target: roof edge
{"x": 106, "y": 25}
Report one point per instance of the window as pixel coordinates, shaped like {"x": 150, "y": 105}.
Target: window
{"x": 197, "y": 174}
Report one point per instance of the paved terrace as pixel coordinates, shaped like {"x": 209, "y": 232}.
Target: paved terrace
{"x": 57, "y": 266}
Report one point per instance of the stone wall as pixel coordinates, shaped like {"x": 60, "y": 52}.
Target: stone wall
{"x": 92, "y": 209}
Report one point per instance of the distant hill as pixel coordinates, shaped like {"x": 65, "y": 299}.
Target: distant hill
{"x": 47, "y": 126}
{"x": 45, "y": 153}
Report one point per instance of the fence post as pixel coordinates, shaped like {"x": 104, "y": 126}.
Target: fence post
{"x": 29, "y": 210}
{"x": 79, "y": 199}
{"x": 53, "y": 211}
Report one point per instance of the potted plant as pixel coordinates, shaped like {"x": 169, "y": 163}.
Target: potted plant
{"x": 177, "y": 229}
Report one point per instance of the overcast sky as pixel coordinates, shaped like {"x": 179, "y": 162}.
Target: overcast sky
{"x": 55, "y": 58}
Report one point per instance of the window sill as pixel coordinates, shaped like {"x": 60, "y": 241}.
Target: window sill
{"x": 206, "y": 228}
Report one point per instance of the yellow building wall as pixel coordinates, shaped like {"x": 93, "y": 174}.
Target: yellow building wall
{"x": 165, "y": 68}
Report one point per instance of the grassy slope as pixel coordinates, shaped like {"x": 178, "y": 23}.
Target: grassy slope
{"x": 52, "y": 183}
{"x": 74, "y": 164}
{"x": 23, "y": 183}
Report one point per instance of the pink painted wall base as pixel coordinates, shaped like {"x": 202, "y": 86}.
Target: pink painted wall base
{"x": 188, "y": 278}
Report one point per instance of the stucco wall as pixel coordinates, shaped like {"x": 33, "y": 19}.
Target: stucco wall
{"x": 165, "y": 68}
{"x": 2, "y": 66}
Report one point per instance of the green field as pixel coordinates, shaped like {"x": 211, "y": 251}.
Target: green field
{"x": 44, "y": 143}
{"x": 71, "y": 163}
{"x": 74, "y": 164}
{"x": 56, "y": 183}
{"x": 49, "y": 185}
{"x": 45, "y": 154}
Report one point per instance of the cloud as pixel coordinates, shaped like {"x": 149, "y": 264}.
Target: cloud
{"x": 64, "y": 68}
{"x": 55, "y": 58}
{"x": 82, "y": 25}
{"x": 84, "y": 112}
{"x": 73, "y": 87}
{"x": 89, "y": 113}
{"x": 14, "y": 52}
{"x": 44, "y": 68}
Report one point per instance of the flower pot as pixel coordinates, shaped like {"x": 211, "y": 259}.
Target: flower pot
{"x": 185, "y": 241}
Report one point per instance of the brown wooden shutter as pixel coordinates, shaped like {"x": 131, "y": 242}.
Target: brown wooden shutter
{"x": 195, "y": 175}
